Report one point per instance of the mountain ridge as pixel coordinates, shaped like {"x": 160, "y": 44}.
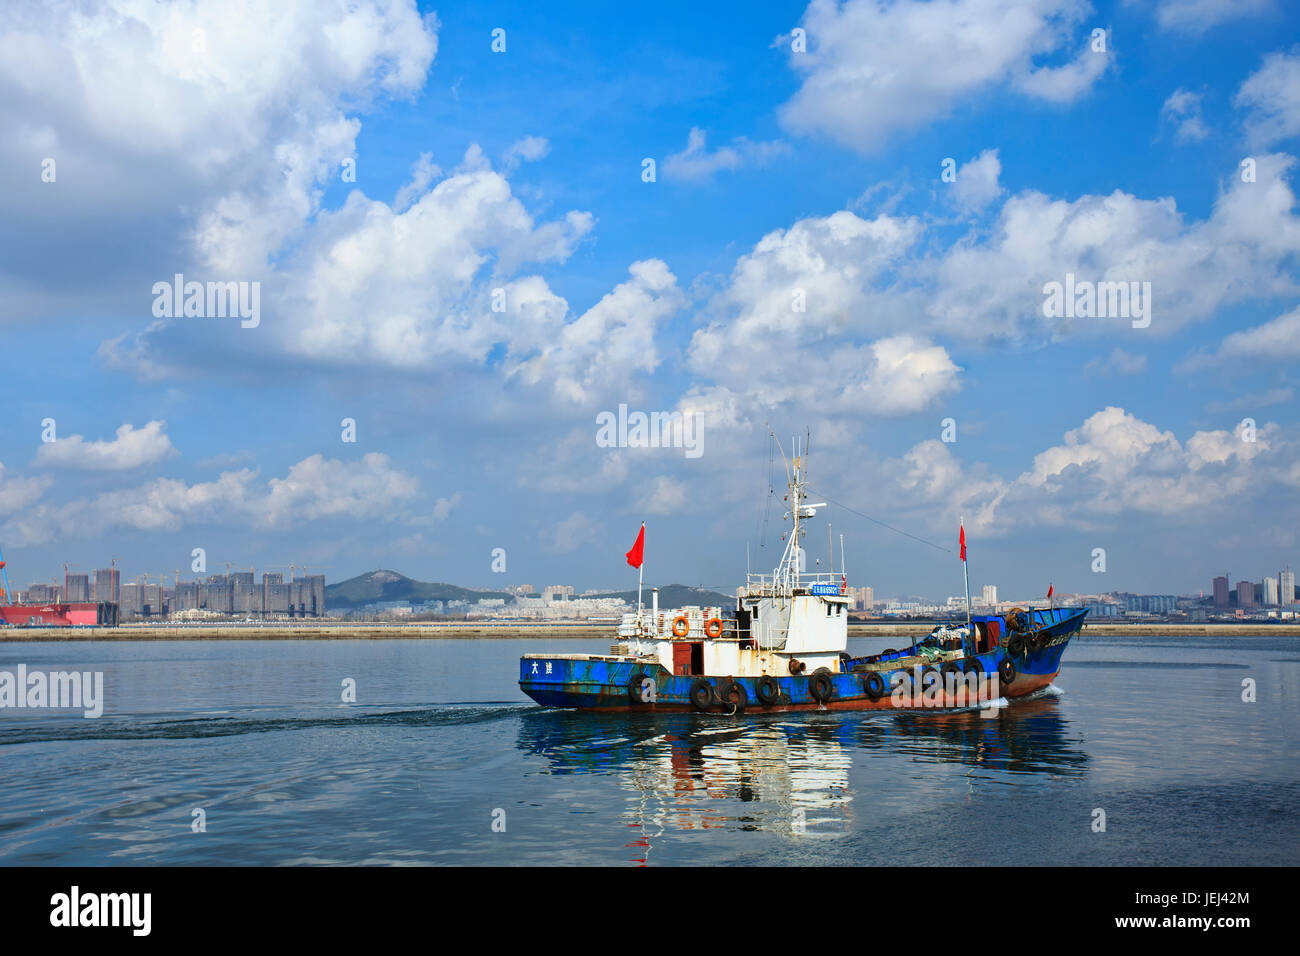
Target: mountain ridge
{"x": 383, "y": 584}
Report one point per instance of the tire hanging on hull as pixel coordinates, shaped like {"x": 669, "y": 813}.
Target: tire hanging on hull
{"x": 820, "y": 685}
{"x": 733, "y": 694}
{"x": 636, "y": 688}
{"x": 702, "y": 695}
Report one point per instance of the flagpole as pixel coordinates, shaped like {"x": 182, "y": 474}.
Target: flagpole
{"x": 640, "y": 574}
{"x": 965, "y": 571}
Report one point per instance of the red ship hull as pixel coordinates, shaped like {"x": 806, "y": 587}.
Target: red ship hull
{"x": 68, "y": 614}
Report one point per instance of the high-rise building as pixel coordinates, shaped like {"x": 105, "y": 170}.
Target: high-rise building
{"x": 187, "y": 596}
{"x": 132, "y": 599}
{"x": 276, "y": 594}
{"x": 316, "y": 594}
{"x": 1286, "y": 587}
{"x": 155, "y": 599}
{"x": 1245, "y": 594}
{"x": 862, "y": 598}
{"x": 990, "y": 595}
{"x": 44, "y": 594}
{"x": 1270, "y": 592}
{"x": 77, "y": 587}
{"x": 245, "y": 595}
{"x": 216, "y": 594}
{"x": 108, "y": 585}
{"x": 307, "y": 596}
{"x": 269, "y": 580}
{"x": 1221, "y": 592}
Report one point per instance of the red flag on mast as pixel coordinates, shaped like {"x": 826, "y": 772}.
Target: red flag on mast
{"x": 962, "y": 539}
{"x": 1049, "y": 590}
{"x": 638, "y": 549}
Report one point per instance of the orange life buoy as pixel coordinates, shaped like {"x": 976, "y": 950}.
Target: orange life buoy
{"x": 713, "y": 627}
{"x": 685, "y": 626}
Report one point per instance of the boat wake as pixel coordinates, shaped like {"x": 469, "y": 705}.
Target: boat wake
{"x": 171, "y": 727}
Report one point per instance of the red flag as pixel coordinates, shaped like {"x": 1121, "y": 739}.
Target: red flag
{"x": 844, "y": 583}
{"x": 963, "y": 542}
{"x": 1049, "y": 590}
{"x": 638, "y": 549}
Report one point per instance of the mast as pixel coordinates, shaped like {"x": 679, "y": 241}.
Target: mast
{"x": 786, "y": 577}
{"x": 796, "y": 482}
{"x": 844, "y": 577}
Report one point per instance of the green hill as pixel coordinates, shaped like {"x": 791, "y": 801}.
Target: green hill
{"x": 675, "y": 595}
{"x": 390, "y": 586}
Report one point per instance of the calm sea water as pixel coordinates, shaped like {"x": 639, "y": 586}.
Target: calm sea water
{"x": 441, "y": 746}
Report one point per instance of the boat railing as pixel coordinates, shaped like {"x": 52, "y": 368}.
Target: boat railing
{"x": 779, "y": 585}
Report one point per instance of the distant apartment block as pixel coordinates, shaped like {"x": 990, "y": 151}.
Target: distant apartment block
{"x": 76, "y": 587}
{"x": 990, "y": 595}
{"x": 108, "y": 585}
{"x": 187, "y": 596}
{"x": 1270, "y": 592}
{"x": 1221, "y": 593}
{"x": 132, "y": 603}
{"x": 44, "y": 594}
{"x": 1286, "y": 586}
{"x": 861, "y": 599}
{"x": 1245, "y": 594}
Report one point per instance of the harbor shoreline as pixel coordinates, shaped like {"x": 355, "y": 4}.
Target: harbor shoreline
{"x": 461, "y": 630}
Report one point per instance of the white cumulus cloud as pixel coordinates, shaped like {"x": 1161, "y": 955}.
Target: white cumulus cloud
{"x": 874, "y": 68}
{"x": 131, "y": 448}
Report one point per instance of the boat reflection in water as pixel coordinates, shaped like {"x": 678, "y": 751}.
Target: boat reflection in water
{"x": 787, "y": 773}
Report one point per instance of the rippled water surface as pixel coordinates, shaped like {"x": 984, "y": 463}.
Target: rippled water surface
{"x": 441, "y": 745}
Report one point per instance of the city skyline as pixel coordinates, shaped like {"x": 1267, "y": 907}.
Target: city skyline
{"x": 377, "y": 302}
{"x": 87, "y": 586}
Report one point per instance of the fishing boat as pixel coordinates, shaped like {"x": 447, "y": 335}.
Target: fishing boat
{"x": 783, "y": 647}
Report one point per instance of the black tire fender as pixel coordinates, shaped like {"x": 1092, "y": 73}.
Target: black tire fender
{"x": 820, "y": 686}
{"x": 733, "y": 694}
{"x": 1007, "y": 671}
{"x": 636, "y": 688}
{"x": 873, "y": 685}
{"x": 768, "y": 690}
{"x": 702, "y": 695}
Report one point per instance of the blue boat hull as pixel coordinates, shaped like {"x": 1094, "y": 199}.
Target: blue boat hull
{"x": 595, "y": 682}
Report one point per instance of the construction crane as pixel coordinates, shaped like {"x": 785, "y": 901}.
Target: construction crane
{"x": 9, "y": 598}
{"x": 296, "y": 567}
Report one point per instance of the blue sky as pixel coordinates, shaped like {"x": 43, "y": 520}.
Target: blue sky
{"x": 184, "y": 141}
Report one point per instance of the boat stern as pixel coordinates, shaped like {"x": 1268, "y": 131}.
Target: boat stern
{"x": 587, "y": 681}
